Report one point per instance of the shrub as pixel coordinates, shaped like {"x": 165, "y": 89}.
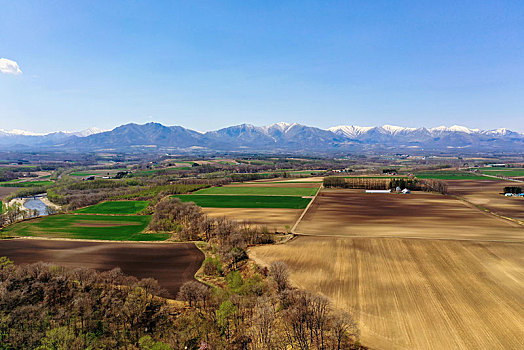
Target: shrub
{"x": 212, "y": 266}
{"x": 234, "y": 280}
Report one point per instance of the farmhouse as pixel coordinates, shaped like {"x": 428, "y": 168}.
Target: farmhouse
{"x": 378, "y": 191}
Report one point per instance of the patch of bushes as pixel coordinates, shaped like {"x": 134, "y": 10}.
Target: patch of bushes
{"x": 212, "y": 266}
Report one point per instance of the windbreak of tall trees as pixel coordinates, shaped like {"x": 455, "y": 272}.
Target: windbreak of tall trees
{"x": 433, "y": 185}
{"x": 429, "y": 185}
{"x": 513, "y": 189}
{"x": 367, "y": 183}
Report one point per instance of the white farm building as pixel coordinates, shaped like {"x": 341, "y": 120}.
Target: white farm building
{"x": 378, "y": 191}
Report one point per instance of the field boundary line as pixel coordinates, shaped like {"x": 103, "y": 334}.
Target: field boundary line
{"x": 489, "y": 212}
{"x": 306, "y": 209}
{"x": 412, "y": 237}
{"x": 85, "y": 240}
{"x": 502, "y": 178}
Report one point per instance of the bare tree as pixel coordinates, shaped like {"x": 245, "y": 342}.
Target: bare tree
{"x": 280, "y": 273}
{"x": 193, "y": 292}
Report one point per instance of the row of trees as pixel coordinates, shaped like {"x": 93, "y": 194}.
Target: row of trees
{"x": 369, "y": 183}
{"x": 513, "y": 189}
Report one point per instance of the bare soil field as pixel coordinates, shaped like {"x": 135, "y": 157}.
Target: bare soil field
{"x": 274, "y": 219}
{"x": 6, "y": 191}
{"x": 486, "y": 193}
{"x": 415, "y": 293}
{"x": 170, "y": 264}
{"x": 353, "y": 213}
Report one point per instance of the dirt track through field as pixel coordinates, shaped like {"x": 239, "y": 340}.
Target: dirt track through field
{"x": 415, "y": 294}
{"x": 170, "y": 264}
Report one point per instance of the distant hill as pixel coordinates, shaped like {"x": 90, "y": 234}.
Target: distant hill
{"x": 274, "y": 138}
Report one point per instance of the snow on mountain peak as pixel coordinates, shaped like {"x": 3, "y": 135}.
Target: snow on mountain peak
{"x": 395, "y": 129}
{"x": 350, "y": 130}
{"x": 455, "y": 128}
{"x": 21, "y": 132}
{"x": 87, "y": 132}
{"x": 499, "y": 131}
{"x": 282, "y": 126}
{"x": 83, "y": 133}
{"x": 460, "y": 128}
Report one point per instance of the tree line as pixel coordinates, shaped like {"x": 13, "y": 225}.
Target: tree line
{"x": 369, "y": 183}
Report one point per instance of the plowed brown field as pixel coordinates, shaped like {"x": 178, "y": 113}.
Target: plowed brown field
{"x": 415, "y": 293}
{"x": 487, "y": 194}
{"x": 170, "y": 264}
{"x": 353, "y": 213}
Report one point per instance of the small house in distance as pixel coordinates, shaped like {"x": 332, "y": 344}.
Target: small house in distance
{"x": 378, "y": 191}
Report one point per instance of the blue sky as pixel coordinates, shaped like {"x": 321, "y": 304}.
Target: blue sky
{"x": 210, "y": 64}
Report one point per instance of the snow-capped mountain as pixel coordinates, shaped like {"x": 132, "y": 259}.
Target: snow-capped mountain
{"x": 86, "y": 132}
{"x": 18, "y": 132}
{"x": 274, "y": 138}
{"x": 82, "y": 133}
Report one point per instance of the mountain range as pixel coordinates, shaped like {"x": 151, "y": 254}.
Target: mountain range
{"x": 275, "y": 138}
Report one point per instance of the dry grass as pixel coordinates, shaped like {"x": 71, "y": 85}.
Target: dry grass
{"x": 415, "y": 293}
{"x": 274, "y": 219}
{"x": 352, "y": 213}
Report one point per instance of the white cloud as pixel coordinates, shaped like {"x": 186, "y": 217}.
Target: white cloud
{"x": 9, "y": 67}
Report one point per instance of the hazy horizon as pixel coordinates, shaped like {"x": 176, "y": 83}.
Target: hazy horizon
{"x": 206, "y": 65}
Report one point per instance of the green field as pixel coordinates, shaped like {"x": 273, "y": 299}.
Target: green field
{"x": 508, "y": 172}
{"x": 83, "y": 173}
{"x": 113, "y": 228}
{"x": 116, "y": 207}
{"x": 26, "y": 183}
{"x": 10, "y": 181}
{"x": 260, "y": 191}
{"x": 450, "y": 176}
{"x": 214, "y": 201}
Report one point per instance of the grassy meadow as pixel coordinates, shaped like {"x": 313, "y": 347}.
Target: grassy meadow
{"x": 37, "y": 183}
{"x": 240, "y": 201}
{"x": 260, "y": 191}
{"x": 449, "y": 176}
{"x": 508, "y": 172}
{"x": 115, "y": 207}
{"x": 102, "y": 227}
